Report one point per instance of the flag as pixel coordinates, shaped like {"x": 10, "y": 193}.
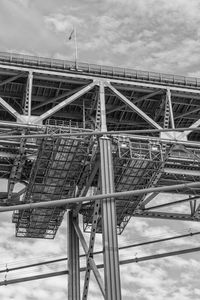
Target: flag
{"x": 71, "y": 34}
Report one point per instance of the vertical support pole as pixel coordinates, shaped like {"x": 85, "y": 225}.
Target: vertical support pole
{"x": 110, "y": 243}
{"x": 30, "y": 84}
{"x": 102, "y": 106}
{"x": 170, "y": 108}
{"x": 73, "y": 259}
{"x": 109, "y": 223}
{"x": 84, "y": 114}
{"x": 28, "y": 95}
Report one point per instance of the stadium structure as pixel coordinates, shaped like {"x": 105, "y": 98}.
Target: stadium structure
{"x": 96, "y": 141}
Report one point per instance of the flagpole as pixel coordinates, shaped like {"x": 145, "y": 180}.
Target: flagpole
{"x": 76, "y": 49}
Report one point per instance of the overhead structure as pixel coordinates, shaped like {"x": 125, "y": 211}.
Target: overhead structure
{"x": 69, "y": 133}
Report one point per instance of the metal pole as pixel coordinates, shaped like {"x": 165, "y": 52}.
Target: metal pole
{"x": 100, "y": 266}
{"x": 84, "y": 114}
{"x": 73, "y": 259}
{"x": 97, "y": 197}
{"x": 110, "y": 243}
{"x": 191, "y": 234}
{"x": 170, "y": 108}
{"x": 30, "y": 83}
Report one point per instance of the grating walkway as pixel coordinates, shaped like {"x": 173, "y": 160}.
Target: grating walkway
{"x": 54, "y": 176}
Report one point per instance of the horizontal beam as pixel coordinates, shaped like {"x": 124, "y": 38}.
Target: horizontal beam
{"x": 100, "y": 197}
{"x": 89, "y": 131}
{"x": 182, "y": 171}
{"x": 101, "y": 266}
{"x": 129, "y": 133}
{"x": 165, "y": 216}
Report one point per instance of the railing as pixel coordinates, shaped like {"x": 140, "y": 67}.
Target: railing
{"x": 106, "y": 71}
{"x": 69, "y": 124}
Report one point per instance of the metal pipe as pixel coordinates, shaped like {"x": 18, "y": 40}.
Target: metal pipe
{"x": 191, "y": 234}
{"x": 100, "y": 266}
{"x": 97, "y": 197}
{"x": 39, "y": 127}
{"x": 30, "y": 86}
{"x": 109, "y": 133}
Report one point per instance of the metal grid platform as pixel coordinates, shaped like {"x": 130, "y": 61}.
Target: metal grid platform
{"x": 54, "y": 175}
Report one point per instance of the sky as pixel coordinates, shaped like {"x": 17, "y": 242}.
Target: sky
{"x": 162, "y": 36}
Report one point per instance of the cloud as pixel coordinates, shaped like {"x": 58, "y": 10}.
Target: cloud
{"x": 61, "y": 23}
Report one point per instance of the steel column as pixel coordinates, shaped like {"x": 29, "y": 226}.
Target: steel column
{"x": 73, "y": 259}
{"x": 110, "y": 243}
{"x": 30, "y": 84}
{"x": 170, "y": 108}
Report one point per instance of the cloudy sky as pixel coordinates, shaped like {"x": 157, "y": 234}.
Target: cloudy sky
{"x": 150, "y": 35}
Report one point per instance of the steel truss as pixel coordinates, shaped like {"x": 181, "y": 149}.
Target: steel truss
{"x": 101, "y": 142}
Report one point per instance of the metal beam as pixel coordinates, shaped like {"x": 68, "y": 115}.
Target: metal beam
{"x": 187, "y": 113}
{"x": 100, "y": 266}
{"x": 182, "y": 171}
{"x": 10, "y": 109}
{"x": 190, "y": 234}
{"x": 90, "y": 261}
{"x": 87, "y": 186}
{"x": 170, "y": 108}
{"x": 102, "y": 106}
{"x": 88, "y": 132}
{"x": 194, "y": 125}
{"x": 134, "y": 107}
{"x": 58, "y": 97}
{"x": 172, "y": 203}
{"x": 17, "y": 168}
{"x": 147, "y": 96}
{"x": 12, "y": 78}
{"x": 73, "y": 259}
{"x": 29, "y": 91}
{"x": 148, "y": 199}
{"x": 65, "y": 102}
{"x": 61, "y": 202}
{"x": 110, "y": 243}
{"x": 165, "y": 216}
{"x": 95, "y": 218}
